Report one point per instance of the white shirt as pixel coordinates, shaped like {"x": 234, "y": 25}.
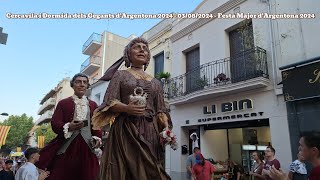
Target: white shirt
{"x": 298, "y": 167}
{"x": 81, "y": 107}
{"x": 27, "y": 172}
{"x": 81, "y": 111}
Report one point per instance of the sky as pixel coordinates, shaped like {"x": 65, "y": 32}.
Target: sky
{"x": 41, "y": 52}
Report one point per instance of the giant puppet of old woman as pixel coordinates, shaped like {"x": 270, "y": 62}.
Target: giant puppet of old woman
{"x": 133, "y": 150}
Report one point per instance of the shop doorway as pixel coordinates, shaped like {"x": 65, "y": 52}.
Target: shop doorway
{"x": 236, "y": 141}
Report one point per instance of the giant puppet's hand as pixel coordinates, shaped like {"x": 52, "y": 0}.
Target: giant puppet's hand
{"x": 75, "y": 125}
{"x": 136, "y": 110}
{"x": 96, "y": 142}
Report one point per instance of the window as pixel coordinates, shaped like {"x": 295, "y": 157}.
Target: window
{"x": 193, "y": 70}
{"x": 158, "y": 63}
{"x": 241, "y": 39}
{"x": 242, "y": 61}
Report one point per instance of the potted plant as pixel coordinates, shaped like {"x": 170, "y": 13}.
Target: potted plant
{"x": 202, "y": 82}
{"x": 259, "y": 73}
{"x": 165, "y": 75}
{"x": 221, "y": 78}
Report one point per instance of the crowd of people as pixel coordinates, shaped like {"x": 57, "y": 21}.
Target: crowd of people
{"x": 22, "y": 168}
{"x": 265, "y": 166}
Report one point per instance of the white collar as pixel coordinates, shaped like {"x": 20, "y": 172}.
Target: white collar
{"x": 77, "y": 100}
{"x": 76, "y": 97}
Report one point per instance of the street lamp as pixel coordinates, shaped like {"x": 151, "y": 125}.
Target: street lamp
{"x": 3, "y": 37}
{"x": 4, "y": 114}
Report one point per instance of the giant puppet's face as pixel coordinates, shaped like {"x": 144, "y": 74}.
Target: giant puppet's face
{"x": 139, "y": 54}
{"x": 80, "y": 86}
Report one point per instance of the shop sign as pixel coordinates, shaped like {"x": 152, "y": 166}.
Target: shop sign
{"x": 234, "y": 106}
{"x": 229, "y": 106}
{"x": 235, "y": 116}
{"x": 301, "y": 82}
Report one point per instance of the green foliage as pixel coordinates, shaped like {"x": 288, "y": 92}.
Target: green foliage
{"x": 247, "y": 36}
{"x": 202, "y": 82}
{"x": 250, "y": 39}
{"x": 46, "y": 131}
{"x": 20, "y": 126}
{"x": 173, "y": 89}
{"x": 163, "y": 75}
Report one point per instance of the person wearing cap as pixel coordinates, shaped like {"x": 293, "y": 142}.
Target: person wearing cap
{"x": 203, "y": 169}
{"x": 6, "y": 173}
{"x": 29, "y": 171}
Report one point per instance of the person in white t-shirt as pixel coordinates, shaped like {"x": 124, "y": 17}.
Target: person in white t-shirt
{"x": 298, "y": 170}
{"x": 29, "y": 171}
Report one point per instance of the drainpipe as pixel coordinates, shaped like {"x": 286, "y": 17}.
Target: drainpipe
{"x": 273, "y": 55}
{"x": 301, "y": 34}
{"x": 104, "y": 52}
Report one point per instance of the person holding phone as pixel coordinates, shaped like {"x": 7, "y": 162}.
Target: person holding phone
{"x": 71, "y": 155}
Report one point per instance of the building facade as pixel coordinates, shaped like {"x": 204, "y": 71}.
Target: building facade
{"x": 51, "y": 99}
{"x": 299, "y": 66}
{"x": 47, "y": 106}
{"x": 158, "y": 38}
{"x": 102, "y": 50}
{"x": 226, "y": 81}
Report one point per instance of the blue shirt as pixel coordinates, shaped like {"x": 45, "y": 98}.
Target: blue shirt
{"x": 191, "y": 160}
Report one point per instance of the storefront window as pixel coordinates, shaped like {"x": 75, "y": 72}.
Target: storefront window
{"x": 235, "y": 144}
{"x": 243, "y": 141}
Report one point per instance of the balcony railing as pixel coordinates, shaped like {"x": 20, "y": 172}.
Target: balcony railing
{"x": 92, "y": 44}
{"x": 48, "y": 95}
{"x": 50, "y": 103}
{"x": 44, "y": 118}
{"x": 90, "y": 65}
{"x": 241, "y": 67}
{"x": 94, "y": 37}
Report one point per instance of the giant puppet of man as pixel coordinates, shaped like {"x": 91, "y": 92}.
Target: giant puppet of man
{"x": 70, "y": 156}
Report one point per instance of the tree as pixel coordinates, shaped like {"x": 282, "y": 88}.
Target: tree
{"x": 46, "y": 131}
{"x": 20, "y": 126}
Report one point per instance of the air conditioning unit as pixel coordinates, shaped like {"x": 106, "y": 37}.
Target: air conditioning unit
{"x": 167, "y": 54}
